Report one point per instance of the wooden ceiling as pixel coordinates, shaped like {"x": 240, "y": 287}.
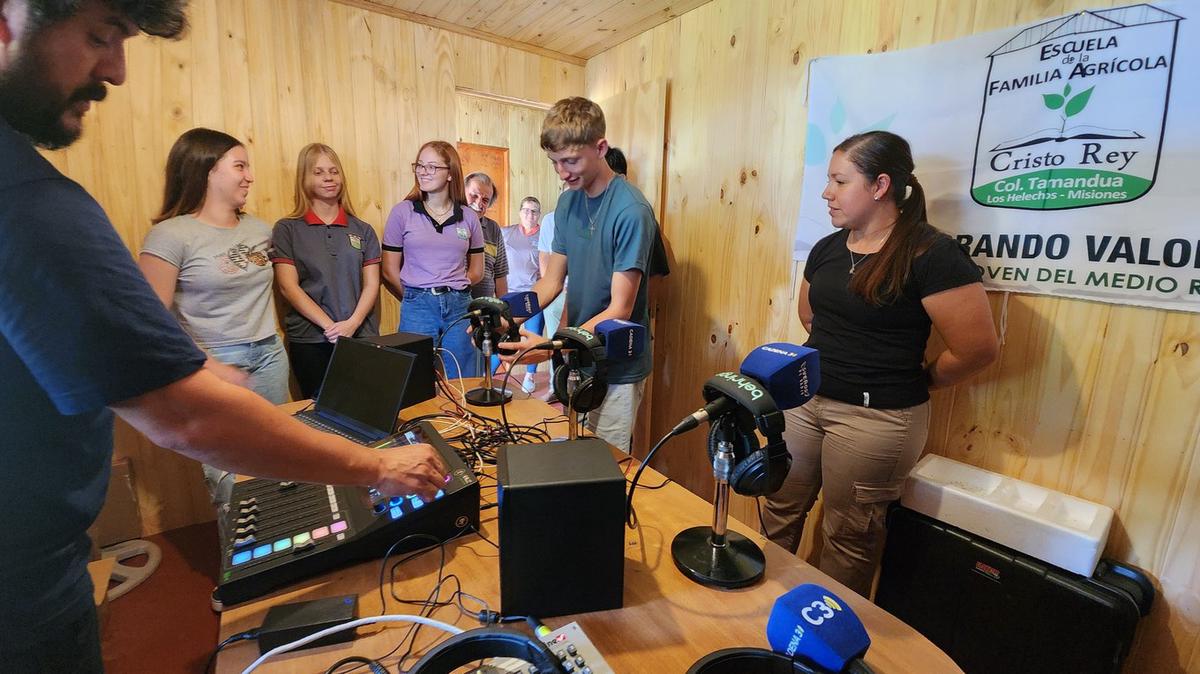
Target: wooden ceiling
{"x": 574, "y": 30}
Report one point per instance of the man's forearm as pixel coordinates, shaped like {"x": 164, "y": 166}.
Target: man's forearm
{"x": 610, "y": 312}
{"x": 547, "y": 291}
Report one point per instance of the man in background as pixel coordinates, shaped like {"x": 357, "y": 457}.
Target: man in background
{"x": 481, "y": 193}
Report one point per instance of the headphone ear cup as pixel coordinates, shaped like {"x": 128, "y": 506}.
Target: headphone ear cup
{"x": 749, "y": 475}
{"x": 558, "y": 382}
{"x": 763, "y": 472}
{"x": 588, "y": 395}
{"x": 780, "y": 463}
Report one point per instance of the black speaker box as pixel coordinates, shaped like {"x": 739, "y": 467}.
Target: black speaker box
{"x": 420, "y": 381}
{"x": 562, "y": 528}
{"x": 997, "y": 611}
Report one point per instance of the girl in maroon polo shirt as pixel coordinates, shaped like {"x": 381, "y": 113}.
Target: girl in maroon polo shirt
{"x": 326, "y": 266}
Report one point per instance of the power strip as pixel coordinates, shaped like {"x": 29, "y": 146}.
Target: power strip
{"x": 578, "y": 654}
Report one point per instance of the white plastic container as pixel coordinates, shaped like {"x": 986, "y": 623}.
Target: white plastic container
{"x": 1056, "y": 528}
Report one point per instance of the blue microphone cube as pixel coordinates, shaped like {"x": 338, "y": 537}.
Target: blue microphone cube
{"x": 812, "y": 623}
{"x": 522, "y": 304}
{"x": 623, "y": 340}
{"x": 792, "y": 374}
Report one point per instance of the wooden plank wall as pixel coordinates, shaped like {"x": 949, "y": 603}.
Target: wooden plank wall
{"x": 635, "y": 122}
{"x": 278, "y": 75}
{"x": 1092, "y": 399}
{"x": 519, "y": 128}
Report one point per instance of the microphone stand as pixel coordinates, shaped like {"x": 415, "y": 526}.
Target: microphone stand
{"x": 487, "y": 395}
{"x": 572, "y": 386}
{"x": 714, "y": 556}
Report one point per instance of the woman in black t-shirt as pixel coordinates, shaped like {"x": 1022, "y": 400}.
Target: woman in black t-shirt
{"x": 871, "y": 293}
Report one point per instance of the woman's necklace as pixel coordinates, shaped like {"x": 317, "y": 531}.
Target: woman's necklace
{"x": 436, "y": 215}
{"x": 855, "y": 262}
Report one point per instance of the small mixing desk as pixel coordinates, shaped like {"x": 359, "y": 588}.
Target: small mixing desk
{"x": 667, "y": 623}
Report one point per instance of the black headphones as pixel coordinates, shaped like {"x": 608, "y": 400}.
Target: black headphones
{"x": 491, "y": 312}
{"x": 589, "y": 354}
{"x": 488, "y": 642}
{"x": 756, "y": 471}
{"x": 752, "y": 661}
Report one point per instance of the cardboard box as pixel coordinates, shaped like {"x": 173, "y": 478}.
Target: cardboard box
{"x": 120, "y": 519}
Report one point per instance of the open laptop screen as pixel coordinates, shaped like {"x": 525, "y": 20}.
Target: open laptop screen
{"x": 365, "y": 382}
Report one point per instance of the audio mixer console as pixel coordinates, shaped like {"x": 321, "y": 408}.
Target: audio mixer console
{"x": 280, "y": 532}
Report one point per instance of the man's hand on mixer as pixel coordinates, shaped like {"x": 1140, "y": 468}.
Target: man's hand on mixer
{"x": 411, "y": 469}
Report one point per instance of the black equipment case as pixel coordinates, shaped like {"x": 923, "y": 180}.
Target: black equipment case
{"x": 997, "y": 611}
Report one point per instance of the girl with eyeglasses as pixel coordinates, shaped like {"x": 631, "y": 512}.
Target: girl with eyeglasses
{"x": 433, "y": 254}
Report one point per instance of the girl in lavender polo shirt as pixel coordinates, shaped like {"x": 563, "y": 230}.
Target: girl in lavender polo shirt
{"x": 433, "y": 254}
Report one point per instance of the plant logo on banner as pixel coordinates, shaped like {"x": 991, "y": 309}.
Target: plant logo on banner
{"x": 1074, "y": 111}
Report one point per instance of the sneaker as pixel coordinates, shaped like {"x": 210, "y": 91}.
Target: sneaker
{"x": 527, "y": 384}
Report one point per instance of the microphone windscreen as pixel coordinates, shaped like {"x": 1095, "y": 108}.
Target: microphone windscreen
{"x": 623, "y": 340}
{"x": 790, "y": 373}
{"x": 811, "y": 622}
{"x": 522, "y": 303}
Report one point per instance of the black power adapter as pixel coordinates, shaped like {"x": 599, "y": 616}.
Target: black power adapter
{"x": 288, "y": 622}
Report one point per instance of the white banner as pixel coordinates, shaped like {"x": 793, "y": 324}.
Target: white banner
{"x": 1064, "y": 155}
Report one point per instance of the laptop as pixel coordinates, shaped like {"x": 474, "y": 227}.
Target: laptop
{"x": 362, "y": 392}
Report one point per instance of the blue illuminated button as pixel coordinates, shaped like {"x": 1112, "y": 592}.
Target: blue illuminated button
{"x": 416, "y": 502}
{"x": 242, "y": 557}
{"x": 282, "y": 544}
{"x": 396, "y": 512}
{"x": 262, "y": 551}
{"x": 441, "y": 493}
{"x": 396, "y": 500}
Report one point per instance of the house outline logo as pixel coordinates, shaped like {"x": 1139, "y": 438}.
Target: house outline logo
{"x": 1074, "y": 111}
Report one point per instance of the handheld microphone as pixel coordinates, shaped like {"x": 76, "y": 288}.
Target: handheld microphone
{"x": 770, "y": 373}
{"x": 623, "y": 340}
{"x": 791, "y": 373}
{"x": 522, "y": 303}
{"x": 810, "y": 623}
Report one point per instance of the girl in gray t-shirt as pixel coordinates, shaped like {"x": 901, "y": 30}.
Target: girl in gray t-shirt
{"x": 208, "y": 262}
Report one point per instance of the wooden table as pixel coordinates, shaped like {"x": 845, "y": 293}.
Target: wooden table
{"x": 667, "y": 623}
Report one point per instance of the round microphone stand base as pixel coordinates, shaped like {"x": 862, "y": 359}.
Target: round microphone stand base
{"x": 738, "y": 563}
{"x": 488, "y": 397}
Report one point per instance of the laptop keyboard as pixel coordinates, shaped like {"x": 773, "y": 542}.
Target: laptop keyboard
{"x": 329, "y": 428}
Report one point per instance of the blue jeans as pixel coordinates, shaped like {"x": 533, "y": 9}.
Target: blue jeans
{"x": 534, "y": 325}
{"x": 265, "y": 361}
{"x": 267, "y": 364}
{"x": 424, "y": 313}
